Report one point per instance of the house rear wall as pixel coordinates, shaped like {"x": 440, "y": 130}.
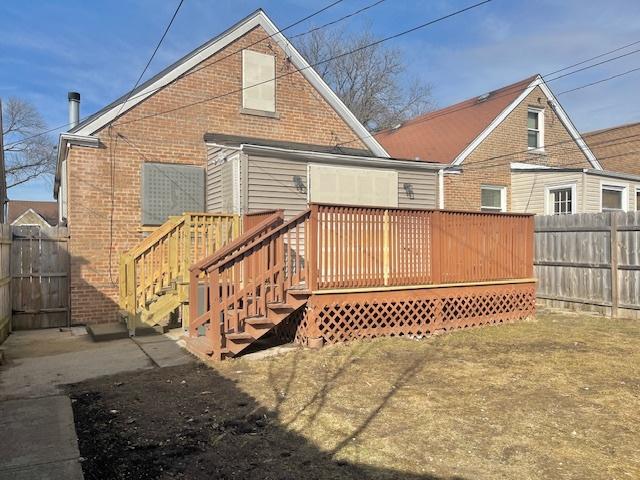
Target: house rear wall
{"x": 104, "y": 213}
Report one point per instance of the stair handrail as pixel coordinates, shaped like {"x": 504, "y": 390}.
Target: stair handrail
{"x": 173, "y": 243}
{"x": 272, "y": 273}
{"x": 276, "y": 218}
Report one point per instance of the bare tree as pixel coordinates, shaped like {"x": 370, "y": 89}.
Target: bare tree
{"x": 372, "y": 81}
{"x": 28, "y": 155}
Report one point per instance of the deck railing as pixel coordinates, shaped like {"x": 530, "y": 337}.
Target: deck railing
{"x": 336, "y": 247}
{"x": 377, "y": 247}
{"x": 240, "y": 281}
{"x": 163, "y": 258}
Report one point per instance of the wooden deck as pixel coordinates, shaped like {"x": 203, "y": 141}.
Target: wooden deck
{"x": 336, "y": 273}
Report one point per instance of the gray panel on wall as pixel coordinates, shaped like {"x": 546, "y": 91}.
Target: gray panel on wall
{"x": 169, "y": 189}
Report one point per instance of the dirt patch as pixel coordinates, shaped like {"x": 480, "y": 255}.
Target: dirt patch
{"x": 554, "y": 398}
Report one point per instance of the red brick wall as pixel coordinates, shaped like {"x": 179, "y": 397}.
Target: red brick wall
{"x": 489, "y": 163}
{"x": 177, "y": 137}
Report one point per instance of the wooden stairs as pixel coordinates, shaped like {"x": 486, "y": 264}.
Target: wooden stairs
{"x": 251, "y": 286}
{"x": 154, "y": 275}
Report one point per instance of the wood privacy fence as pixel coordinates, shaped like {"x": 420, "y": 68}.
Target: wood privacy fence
{"x": 5, "y": 281}
{"x": 376, "y": 247}
{"x": 590, "y": 262}
{"x": 40, "y": 277}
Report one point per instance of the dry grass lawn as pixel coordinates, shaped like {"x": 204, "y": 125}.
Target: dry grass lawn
{"x": 552, "y": 398}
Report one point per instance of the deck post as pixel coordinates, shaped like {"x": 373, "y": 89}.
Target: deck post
{"x": 312, "y": 244}
{"x": 314, "y": 336}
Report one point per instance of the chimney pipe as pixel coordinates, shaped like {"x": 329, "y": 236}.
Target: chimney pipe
{"x": 74, "y": 109}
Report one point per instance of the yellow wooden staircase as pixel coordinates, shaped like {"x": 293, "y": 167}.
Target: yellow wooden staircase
{"x": 251, "y": 286}
{"x": 154, "y": 275}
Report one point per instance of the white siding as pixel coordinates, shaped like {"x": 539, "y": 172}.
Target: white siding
{"x": 528, "y": 190}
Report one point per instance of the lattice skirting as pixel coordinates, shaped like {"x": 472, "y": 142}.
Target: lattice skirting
{"x": 348, "y": 316}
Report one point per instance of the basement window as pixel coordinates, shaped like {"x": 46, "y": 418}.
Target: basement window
{"x": 493, "y": 199}
{"x": 535, "y": 129}
{"x": 258, "y": 83}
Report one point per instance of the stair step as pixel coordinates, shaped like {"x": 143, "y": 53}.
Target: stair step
{"x": 239, "y": 337}
{"x": 259, "y": 322}
{"x": 280, "y": 306}
{"x": 103, "y": 332}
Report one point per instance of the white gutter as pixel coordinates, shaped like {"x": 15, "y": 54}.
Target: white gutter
{"x": 305, "y": 155}
{"x": 64, "y": 142}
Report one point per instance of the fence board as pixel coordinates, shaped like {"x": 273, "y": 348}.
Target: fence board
{"x": 574, "y": 262}
{"x": 5, "y": 281}
{"x": 40, "y": 277}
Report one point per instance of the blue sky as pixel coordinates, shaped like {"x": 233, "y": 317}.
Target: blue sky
{"x": 99, "y": 48}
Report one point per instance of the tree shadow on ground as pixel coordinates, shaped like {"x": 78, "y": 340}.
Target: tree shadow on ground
{"x": 191, "y": 422}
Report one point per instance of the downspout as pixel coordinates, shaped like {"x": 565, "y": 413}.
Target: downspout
{"x": 441, "y": 189}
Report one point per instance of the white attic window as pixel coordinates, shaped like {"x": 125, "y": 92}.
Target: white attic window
{"x": 258, "y": 81}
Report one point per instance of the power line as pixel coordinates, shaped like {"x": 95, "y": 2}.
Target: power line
{"x": 166, "y": 30}
{"x": 594, "y": 58}
{"x": 595, "y": 64}
{"x": 600, "y": 81}
{"x": 191, "y": 72}
{"x": 377, "y": 42}
{"x": 506, "y": 92}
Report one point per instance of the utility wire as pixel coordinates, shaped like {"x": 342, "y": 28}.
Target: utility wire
{"x": 191, "y": 72}
{"x": 112, "y": 152}
{"x": 372, "y": 44}
{"x": 600, "y": 81}
{"x": 506, "y": 92}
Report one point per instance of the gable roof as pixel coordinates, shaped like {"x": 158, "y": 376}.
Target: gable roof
{"x": 258, "y": 18}
{"x": 47, "y": 210}
{"x": 617, "y": 148}
{"x": 449, "y": 135}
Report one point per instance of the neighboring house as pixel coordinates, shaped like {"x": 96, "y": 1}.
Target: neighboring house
{"x": 32, "y": 213}
{"x": 145, "y": 157}
{"x": 513, "y": 149}
{"x": 617, "y": 148}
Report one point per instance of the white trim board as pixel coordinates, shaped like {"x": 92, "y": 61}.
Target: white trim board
{"x": 562, "y": 115}
{"x": 258, "y": 18}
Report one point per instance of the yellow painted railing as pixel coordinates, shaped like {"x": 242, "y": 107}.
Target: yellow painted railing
{"x": 162, "y": 260}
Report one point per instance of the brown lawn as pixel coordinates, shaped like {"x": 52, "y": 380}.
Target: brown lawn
{"x": 557, "y": 397}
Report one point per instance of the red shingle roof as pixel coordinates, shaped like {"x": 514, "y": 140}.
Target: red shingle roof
{"x": 47, "y": 210}
{"x": 440, "y": 136}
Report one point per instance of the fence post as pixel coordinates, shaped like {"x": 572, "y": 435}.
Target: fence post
{"x": 615, "y": 298}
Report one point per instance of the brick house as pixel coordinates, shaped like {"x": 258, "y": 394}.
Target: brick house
{"x": 512, "y": 149}
{"x": 258, "y": 124}
{"x": 617, "y": 148}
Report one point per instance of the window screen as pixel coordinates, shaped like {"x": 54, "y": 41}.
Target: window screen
{"x": 258, "y": 69}
{"x": 169, "y": 189}
{"x": 353, "y": 186}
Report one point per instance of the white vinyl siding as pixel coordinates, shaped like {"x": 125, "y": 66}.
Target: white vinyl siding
{"x": 275, "y": 183}
{"x": 258, "y": 81}
{"x": 353, "y": 186}
{"x": 529, "y": 190}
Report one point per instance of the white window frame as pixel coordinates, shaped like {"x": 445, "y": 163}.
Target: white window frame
{"x": 503, "y": 198}
{"x": 540, "y": 130}
{"x": 621, "y": 187}
{"x": 549, "y": 189}
{"x": 636, "y": 199}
